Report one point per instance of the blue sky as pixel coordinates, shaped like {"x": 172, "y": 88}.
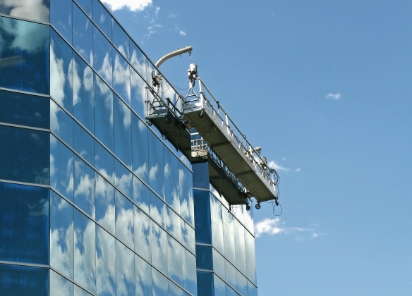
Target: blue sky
{"x": 324, "y": 87}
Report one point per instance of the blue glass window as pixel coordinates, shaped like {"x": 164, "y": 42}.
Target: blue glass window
{"x": 250, "y": 260}
{"x": 23, "y": 280}
{"x": 123, "y": 178}
{"x": 83, "y": 93}
{"x": 59, "y": 286}
{"x": 141, "y": 194}
{"x": 143, "y": 277}
{"x": 156, "y": 164}
{"x": 142, "y": 234}
{"x": 204, "y": 257}
{"x": 86, "y": 5}
{"x": 121, "y": 77}
{"x": 218, "y": 264}
{"x": 157, "y": 209}
{"x": 239, "y": 238}
{"x": 25, "y": 155}
{"x": 219, "y": 286}
{"x": 84, "y": 186}
{"x": 140, "y": 149}
{"x": 241, "y": 283}
{"x": 61, "y": 168}
{"x": 252, "y": 289}
{"x": 102, "y": 18}
{"x": 173, "y": 224}
{"x": 202, "y": 208}
{"x": 186, "y": 194}
{"x": 125, "y": 270}
{"x": 120, "y": 39}
{"x": 36, "y": 11}
{"x": 105, "y": 263}
{"x": 83, "y": 35}
{"x": 216, "y": 219}
{"x": 84, "y": 143}
{"x": 24, "y": 223}
{"x": 175, "y": 290}
{"x": 188, "y": 237}
{"x": 105, "y": 204}
{"x": 61, "y": 78}
{"x": 61, "y": 235}
{"x": 159, "y": 247}
{"x": 139, "y": 62}
{"x": 160, "y": 283}
{"x": 61, "y": 124}
{"x": 24, "y": 57}
{"x": 80, "y": 292}
{"x": 230, "y": 274}
{"x": 171, "y": 177}
{"x": 124, "y": 220}
{"x": 138, "y": 93}
{"x": 102, "y": 55}
{"x": 123, "y": 131}
{"x": 189, "y": 272}
{"x": 61, "y": 17}
{"x": 84, "y": 251}
{"x": 103, "y": 99}
{"x": 104, "y": 162}
{"x": 174, "y": 257}
{"x": 22, "y": 109}
{"x": 205, "y": 283}
{"x": 228, "y": 234}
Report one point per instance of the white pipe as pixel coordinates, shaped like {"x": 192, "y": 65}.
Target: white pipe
{"x": 172, "y": 54}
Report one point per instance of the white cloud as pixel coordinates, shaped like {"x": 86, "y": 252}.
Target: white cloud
{"x": 276, "y": 227}
{"x": 333, "y": 96}
{"x": 277, "y": 167}
{"x": 134, "y": 5}
{"x": 298, "y": 170}
{"x": 183, "y": 33}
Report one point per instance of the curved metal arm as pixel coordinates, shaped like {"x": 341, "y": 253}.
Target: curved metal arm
{"x": 172, "y": 54}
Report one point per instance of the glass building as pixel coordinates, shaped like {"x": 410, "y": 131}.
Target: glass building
{"x": 94, "y": 201}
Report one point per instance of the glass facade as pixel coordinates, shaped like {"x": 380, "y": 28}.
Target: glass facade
{"x": 94, "y": 202}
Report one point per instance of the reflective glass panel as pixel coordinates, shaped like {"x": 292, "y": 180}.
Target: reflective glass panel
{"x": 83, "y": 93}
{"x": 189, "y": 272}
{"x": 138, "y": 93}
{"x": 86, "y": 5}
{"x": 143, "y": 277}
{"x": 61, "y": 168}
{"x": 216, "y": 219}
{"x": 80, "y": 292}
{"x": 105, "y": 205}
{"x": 24, "y": 223}
{"x": 173, "y": 226}
{"x": 159, "y": 248}
{"x": 160, "y": 283}
{"x": 228, "y": 236}
{"x": 84, "y": 143}
{"x": 61, "y": 17}
{"x": 102, "y": 55}
{"x": 250, "y": 258}
{"x": 61, "y": 78}
{"x": 204, "y": 257}
{"x": 219, "y": 285}
{"x": 17, "y": 155}
{"x": 188, "y": 236}
{"x": 139, "y": 62}
{"x": 175, "y": 290}
{"x": 84, "y": 251}
{"x": 230, "y": 291}
{"x": 102, "y": 18}
{"x": 171, "y": 176}
{"x": 241, "y": 283}
{"x": 61, "y": 124}
{"x": 23, "y": 280}
{"x": 104, "y": 161}
{"x": 125, "y": 270}
{"x": 121, "y": 77}
{"x": 174, "y": 258}
{"x": 59, "y": 286}
{"x": 157, "y": 209}
{"x": 61, "y": 235}
{"x": 104, "y": 113}
{"x": 84, "y": 186}
{"x": 141, "y": 194}
{"x": 105, "y": 263}
{"x": 252, "y": 289}
{"x": 123, "y": 131}
{"x": 218, "y": 264}
{"x": 140, "y": 149}
{"x": 186, "y": 194}
{"x": 24, "y": 56}
{"x": 123, "y": 179}
{"x": 239, "y": 238}
{"x": 156, "y": 164}
{"x": 203, "y": 215}
{"x": 124, "y": 220}
{"x": 120, "y": 39}
{"x": 22, "y": 109}
{"x": 83, "y": 35}
{"x": 205, "y": 283}
{"x": 230, "y": 274}
{"x": 142, "y": 234}
{"x": 32, "y": 10}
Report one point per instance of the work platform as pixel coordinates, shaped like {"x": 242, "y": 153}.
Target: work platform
{"x": 236, "y": 168}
